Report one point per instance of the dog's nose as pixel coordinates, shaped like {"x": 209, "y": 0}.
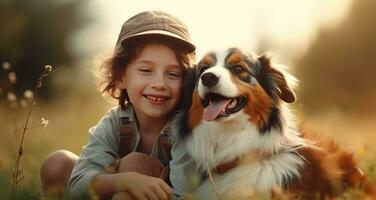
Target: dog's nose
{"x": 209, "y": 79}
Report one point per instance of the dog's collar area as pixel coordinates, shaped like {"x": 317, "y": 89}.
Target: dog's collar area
{"x": 250, "y": 157}
{"x": 223, "y": 168}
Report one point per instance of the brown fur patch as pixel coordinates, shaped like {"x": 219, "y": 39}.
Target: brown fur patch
{"x": 259, "y": 103}
{"x": 235, "y": 58}
{"x": 328, "y": 170}
{"x": 353, "y": 176}
{"x": 196, "y": 110}
{"x": 321, "y": 175}
{"x": 207, "y": 60}
{"x": 253, "y": 156}
{"x": 313, "y": 180}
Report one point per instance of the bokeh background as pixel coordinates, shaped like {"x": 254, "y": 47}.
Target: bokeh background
{"x": 329, "y": 46}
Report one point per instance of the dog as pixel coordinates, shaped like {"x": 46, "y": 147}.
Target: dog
{"x": 239, "y": 127}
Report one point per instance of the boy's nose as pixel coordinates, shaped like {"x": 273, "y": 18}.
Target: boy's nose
{"x": 158, "y": 83}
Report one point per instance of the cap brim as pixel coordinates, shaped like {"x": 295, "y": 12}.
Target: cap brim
{"x": 188, "y": 44}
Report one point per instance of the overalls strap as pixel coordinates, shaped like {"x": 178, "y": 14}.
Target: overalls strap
{"x": 127, "y": 137}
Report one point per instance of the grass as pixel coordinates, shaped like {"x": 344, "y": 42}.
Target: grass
{"x": 70, "y": 122}
{"x": 22, "y": 192}
{"x": 68, "y": 129}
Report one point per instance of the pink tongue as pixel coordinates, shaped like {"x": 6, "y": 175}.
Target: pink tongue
{"x": 215, "y": 108}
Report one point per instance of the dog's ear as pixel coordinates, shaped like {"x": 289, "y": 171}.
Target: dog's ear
{"x": 286, "y": 93}
{"x": 274, "y": 81}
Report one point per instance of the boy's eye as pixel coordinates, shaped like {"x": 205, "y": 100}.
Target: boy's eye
{"x": 144, "y": 70}
{"x": 174, "y": 74}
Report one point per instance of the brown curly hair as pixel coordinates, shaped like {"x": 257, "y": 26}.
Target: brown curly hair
{"x": 113, "y": 68}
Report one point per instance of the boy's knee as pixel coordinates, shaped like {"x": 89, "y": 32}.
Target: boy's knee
{"x": 141, "y": 163}
{"x": 134, "y": 158}
{"x": 56, "y": 169}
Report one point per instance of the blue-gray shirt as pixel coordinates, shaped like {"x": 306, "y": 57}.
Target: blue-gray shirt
{"x": 102, "y": 150}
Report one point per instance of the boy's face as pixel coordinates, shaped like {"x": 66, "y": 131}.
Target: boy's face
{"x": 153, "y": 82}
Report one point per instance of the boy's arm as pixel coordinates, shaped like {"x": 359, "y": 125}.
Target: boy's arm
{"x": 107, "y": 184}
{"x": 136, "y": 185}
{"x": 92, "y": 173}
{"x": 100, "y": 152}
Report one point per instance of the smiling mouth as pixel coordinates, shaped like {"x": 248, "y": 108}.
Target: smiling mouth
{"x": 217, "y": 106}
{"x": 156, "y": 99}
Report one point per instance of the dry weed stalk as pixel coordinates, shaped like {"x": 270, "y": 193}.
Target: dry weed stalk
{"x": 16, "y": 177}
{"x": 212, "y": 182}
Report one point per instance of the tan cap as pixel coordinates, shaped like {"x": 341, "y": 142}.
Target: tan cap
{"x": 155, "y": 23}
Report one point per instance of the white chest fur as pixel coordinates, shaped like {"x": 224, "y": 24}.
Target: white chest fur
{"x": 258, "y": 177}
{"x": 216, "y": 142}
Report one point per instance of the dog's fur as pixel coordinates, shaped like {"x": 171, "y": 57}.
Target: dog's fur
{"x": 254, "y": 143}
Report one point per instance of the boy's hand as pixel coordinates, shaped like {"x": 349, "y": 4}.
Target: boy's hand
{"x": 144, "y": 187}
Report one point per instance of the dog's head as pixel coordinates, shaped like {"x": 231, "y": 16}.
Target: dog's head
{"x": 237, "y": 83}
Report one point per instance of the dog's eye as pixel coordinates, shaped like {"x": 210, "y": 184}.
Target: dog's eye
{"x": 238, "y": 69}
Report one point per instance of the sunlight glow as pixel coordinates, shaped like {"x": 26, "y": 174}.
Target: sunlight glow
{"x": 286, "y": 27}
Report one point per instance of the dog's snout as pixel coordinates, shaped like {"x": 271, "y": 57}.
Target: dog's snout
{"x": 209, "y": 79}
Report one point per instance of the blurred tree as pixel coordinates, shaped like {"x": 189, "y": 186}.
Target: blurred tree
{"x": 34, "y": 33}
{"x": 339, "y": 69}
